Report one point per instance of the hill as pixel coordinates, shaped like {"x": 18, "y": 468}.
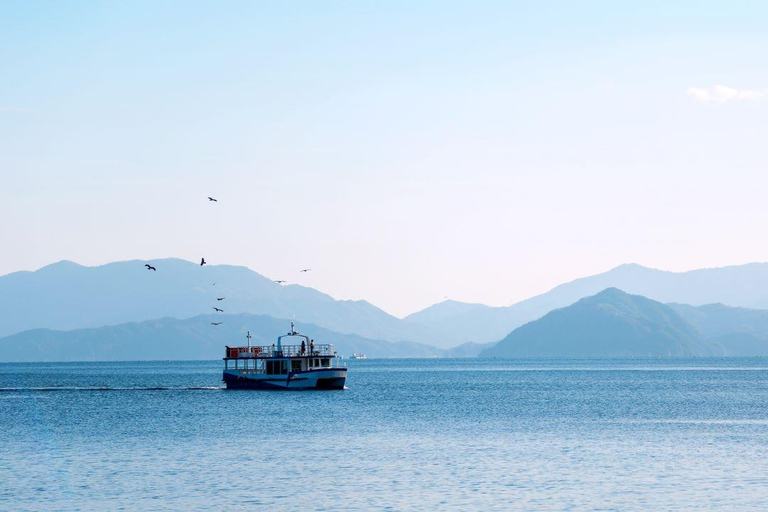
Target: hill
{"x": 609, "y": 324}
{"x": 740, "y": 331}
{"x": 68, "y": 296}
{"x": 744, "y": 286}
{"x": 193, "y": 338}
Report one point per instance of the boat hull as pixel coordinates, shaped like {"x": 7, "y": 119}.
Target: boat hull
{"x": 332, "y": 378}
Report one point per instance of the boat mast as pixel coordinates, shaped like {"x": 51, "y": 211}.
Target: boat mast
{"x": 249, "y": 340}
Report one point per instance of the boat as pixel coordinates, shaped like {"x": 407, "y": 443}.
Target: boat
{"x": 358, "y": 356}
{"x": 279, "y": 366}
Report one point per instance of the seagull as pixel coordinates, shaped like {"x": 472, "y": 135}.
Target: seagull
{"x": 305, "y": 270}
{"x": 212, "y": 199}
{"x": 219, "y": 310}
{"x": 215, "y": 323}
{"x": 150, "y": 267}
{"x": 202, "y": 262}
{"x": 220, "y": 298}
{"x": 280, "y": 281}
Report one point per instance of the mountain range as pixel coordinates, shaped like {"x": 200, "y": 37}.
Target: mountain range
{"x": 613, "y": 323}
{"x": 68, "y": 296}
{"x": 123, "y": 303}
{"x": 740, "y": 331}
{"x": 192, "y": 338}
{"x": 609, "y": 324}
{"x": 742, "y": 286}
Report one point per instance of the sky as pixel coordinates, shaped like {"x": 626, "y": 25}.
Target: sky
{"x": 407, "y": 152}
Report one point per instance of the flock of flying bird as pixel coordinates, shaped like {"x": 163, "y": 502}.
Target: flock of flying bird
{"x": 203, "y": 262}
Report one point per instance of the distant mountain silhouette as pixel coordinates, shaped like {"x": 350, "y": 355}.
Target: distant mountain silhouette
{"x": 609, "y": 324}
{"x": 740, "y": 331}
{"x": 469, "y": 323}
{"x": 467, "y": 349}
{"x": 744, "y": 286}
{"x": 66, "y": 295}
{"x": 193, "y": 338}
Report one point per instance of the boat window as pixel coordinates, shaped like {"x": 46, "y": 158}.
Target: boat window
{"x": 325, "y": 362}
{"x": 270, "y": 367}
{"x": 283, "y": 367}
{"x": 296, "y": 365}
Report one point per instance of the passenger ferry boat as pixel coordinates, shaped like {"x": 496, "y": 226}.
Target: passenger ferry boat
{"x": 304, "y": 366}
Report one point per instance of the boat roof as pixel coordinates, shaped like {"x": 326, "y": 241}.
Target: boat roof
{"x": 307, "y": 349}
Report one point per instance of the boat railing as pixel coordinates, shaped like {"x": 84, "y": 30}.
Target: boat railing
{"x": 259, "y": 352}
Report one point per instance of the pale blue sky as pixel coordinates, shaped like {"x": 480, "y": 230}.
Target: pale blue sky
{"x": 406, "y": 151}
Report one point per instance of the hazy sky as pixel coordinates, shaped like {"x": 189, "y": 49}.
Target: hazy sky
{"x": 405, "y": 151}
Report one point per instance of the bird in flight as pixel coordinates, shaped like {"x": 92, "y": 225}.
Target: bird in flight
{"x": 203, "y": 262}
{"x": 305, "y": 270}
{"x": 215, "y": 323}
{"x": 219, "y": 310}
{"x": 280, "y": 281}
{"x": 220, "y": 298}
{"x": 212, "y": 199}
{"x": 150, "y": 267}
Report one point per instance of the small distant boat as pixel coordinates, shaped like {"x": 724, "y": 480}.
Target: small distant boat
{"x": 305, "y": 366}
{"x": 358, "y": 356}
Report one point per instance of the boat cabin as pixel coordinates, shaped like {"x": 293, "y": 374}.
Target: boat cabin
{"x": 279, "y": 359}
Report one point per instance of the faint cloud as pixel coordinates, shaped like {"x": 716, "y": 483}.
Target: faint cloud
{"x": 722, "y": 93}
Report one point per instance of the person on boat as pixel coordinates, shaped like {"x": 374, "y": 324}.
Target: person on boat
{"x": 303, "y": 347}
{"x": 312, "y": 347}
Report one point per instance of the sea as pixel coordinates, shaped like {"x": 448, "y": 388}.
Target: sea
{"x": 406, "y": 434}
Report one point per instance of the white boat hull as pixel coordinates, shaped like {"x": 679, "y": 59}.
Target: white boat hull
{"x": 326, "y": 378}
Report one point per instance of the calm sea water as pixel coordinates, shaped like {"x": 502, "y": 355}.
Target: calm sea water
{"x": 406, "y": 435}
